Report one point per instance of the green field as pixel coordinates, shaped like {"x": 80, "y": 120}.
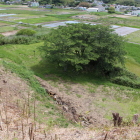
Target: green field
{"x": 119, "y": 21}
{"x": 134, "y": 37}
{"x": 47, "y": 18}
{"x": 6, "y": 28}
{"x": 133, "y": 58}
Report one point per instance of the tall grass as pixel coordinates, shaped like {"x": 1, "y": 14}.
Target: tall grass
{"x": 134, "y": 37}
{"x": 133, "y": 50}
{"x": 133, "y": 58}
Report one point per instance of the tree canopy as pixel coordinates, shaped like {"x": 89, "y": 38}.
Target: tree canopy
{"x": 84, "y": 47}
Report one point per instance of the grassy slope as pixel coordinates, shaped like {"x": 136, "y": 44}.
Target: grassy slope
{"x": 133, "y": 58}
{"x": 134, "y": 37}
{"x": 18, "y": 60}
{"x": 29, "y": 56}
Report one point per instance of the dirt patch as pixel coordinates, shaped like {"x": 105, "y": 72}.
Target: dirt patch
{"x": 86, "y": 17}
{"x": 10, "y": 33}
{"x": 76, "y": 103}
{"x": 122, "y": 16}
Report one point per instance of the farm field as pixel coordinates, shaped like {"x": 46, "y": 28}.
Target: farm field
{"x": 26, "y": 79}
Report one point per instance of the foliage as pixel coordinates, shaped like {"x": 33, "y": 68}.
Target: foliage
{"x": 126, "y": 2}
{"x": 93, "y": 5}
{"x": 25, "y": 74}
{"x": 84, "y": 4}
{"x": 1, "y": 35}
{"x": 6, "y": 28}
{"x": 40, "y": 34}
{"x": 126, "y": 81}
{"x": 109, "y": 1}
{"x": 66, "y": 2}
{"x": 133, "y": 51}
{"x": 84, "y": 47}
{"x": 27, "y": 32}
{"x": 18, "y": 40}
{"x": 125, "y": 78}
{"x": 111, "y": 10}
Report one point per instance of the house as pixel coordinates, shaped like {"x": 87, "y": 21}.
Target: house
{"x": 98, "y": 8}
{"x": 33, "y": 4}
{"x": 137, "y": 12}
{"x": 93, "y": 9}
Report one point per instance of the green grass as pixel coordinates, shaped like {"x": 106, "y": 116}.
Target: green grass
{"x": 119, "y": 21}
{"x": 132, "y": 66}
{"x": 133, "y": 58}
{"x": 133, "y": 50}
{"x": 99, "y": 13}
{"x": 6, "y": 29}
{"x": 27, "y": 55}
{"x": 17, "y": 11}
{"x": 48, "y": 18}
{"x": 6, "y": 22}
{"x": 25, "y": 60}
{"x": 7, "y": 6}
{"x": 52, "y": 116}
{"x": 134, "y": 37}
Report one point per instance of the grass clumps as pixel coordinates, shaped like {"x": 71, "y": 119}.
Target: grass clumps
{"x": 24, "y": 73}
{"x": 127, "y": 78}
{"x": 26, "y": 36}
{"x": 27, "y": 32}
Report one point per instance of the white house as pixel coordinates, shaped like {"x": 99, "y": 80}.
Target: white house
{"x": 98, "y": 8}
{"x": 93, "y": 9}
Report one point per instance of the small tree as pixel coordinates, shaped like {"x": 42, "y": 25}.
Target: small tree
{"x": 84, "y": 47}
{"x": 111, "y": 10}
{"x": 84, "y": 4}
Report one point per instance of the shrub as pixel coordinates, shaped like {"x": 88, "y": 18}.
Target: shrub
{"x": 111, "y": 10}
{"x": 126, "y": 78}
{"x": 126, "y": 81}
{"x": 1, "y": 35}
{"x": 84, "y": 4}
{"x": 27, "y": 32}
{"x": 18, "y": 40}
{"x": 4, "y": 40}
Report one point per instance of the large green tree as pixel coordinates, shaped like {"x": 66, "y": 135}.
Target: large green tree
{"x": 84, "y": 47}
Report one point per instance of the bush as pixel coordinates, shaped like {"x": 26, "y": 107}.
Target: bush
{"x": 126, "y": 78}
{"x": 111, "y": 10}
{"x": 27, "y": 32}
{"x": 84, "y": 4}
{"x": 4, "y": 40}
{"x": 1, "y": 35}
{"x": 126, "y": 81}
{"x": 18, "y": 40}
